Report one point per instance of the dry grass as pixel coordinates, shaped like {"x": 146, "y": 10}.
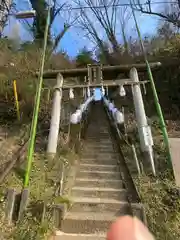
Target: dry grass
{"x": 159, "y": 195}
{"x": 162, "y": 205}
{"x": 21, "y": 65}
{"x": 44, "y": 182}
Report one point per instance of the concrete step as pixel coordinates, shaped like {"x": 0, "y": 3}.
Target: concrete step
{"x": 98, "y": 167}
{"x": 98, "y": 147}
{"x": 107, "y": 183}
{"x": 99, "y": 155}
{"x": 91, "y": 223}
{"x": 137, "y": 211}
{"x": 106, "y": 142}
{"x": 99, "y": 174}
{"x": 98, "y": 142}
{"x": 75, "y": 236}
{"x": 108, "y": 150}
{"x": 112, "y": 193}
{"x": 98, "y": 135}
{"x": 102, "y": 128}
{"x": 83, "y": 204}
{"x": 95, "y": 131}
{"x": 99, "y": 161}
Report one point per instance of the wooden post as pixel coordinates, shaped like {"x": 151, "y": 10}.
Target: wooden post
{"x": 58, "y": 213}
{"x": 11, "y": 195}
{"x": 55, "y": 117}
{"x": 136, "y": 159}
{"x": 23, "y": 203}
{"x": 175, "y": 153}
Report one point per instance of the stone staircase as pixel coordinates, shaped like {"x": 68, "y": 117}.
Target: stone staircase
{"x": 99, "y": 195}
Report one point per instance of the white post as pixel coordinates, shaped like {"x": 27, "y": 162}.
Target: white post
{"x": 136, "y": 159}
{"x": 146, "y": 141}
{"x": 55, "y": 117}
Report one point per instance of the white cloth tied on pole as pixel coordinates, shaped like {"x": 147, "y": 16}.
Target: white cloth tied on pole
{"x": 77, "y": 116}
{"x": 117, "y": 115}
{"x": 103, "y": 91}
{"x": 122, "y": 91}
{"x": 71, "y": 93}
{"x": 88, "y": 92}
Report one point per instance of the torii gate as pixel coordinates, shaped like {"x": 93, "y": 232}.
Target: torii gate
{"x": 96, "y": 76}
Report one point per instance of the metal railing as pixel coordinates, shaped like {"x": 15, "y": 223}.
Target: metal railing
{"x": 133, "y": 196}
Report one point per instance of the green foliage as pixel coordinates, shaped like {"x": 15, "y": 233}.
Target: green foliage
{"x": 33, "y": 229}
{"x": 101, "y": 54}
{"x": 84, "y": 57}
{"x": 63, "y": 200}
{"x": 21, "y": 65}
{"x": 39, "y": 24}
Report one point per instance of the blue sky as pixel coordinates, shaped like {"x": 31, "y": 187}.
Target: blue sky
{"x": 73, "y": 40}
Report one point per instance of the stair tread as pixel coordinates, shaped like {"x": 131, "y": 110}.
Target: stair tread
{"x": 97, "y": 200}
{"x": 106, "y": 162}
{"x": 95, "y": 216}
{"x": 99, "y": 189}
{"x": 79, "y": 237}
{"x": 99, "y": 234}
{"x": 99, "y": 174}
{"x": 94, "y": 171}
{"x": 99, "y": 158}
{"x": 97, "y": 165}
{"x": 99, "y": 180}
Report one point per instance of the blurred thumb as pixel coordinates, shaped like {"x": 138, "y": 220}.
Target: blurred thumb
{"x": 129, "y": 228}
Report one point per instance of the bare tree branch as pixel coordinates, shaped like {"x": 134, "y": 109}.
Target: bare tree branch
{"x": 172, "y": 16}
{"x": 106, "y": 18}
{"x": 124, "y": 17}
{"x": 56, "y": 9}
{"x": 87, "y": 25}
